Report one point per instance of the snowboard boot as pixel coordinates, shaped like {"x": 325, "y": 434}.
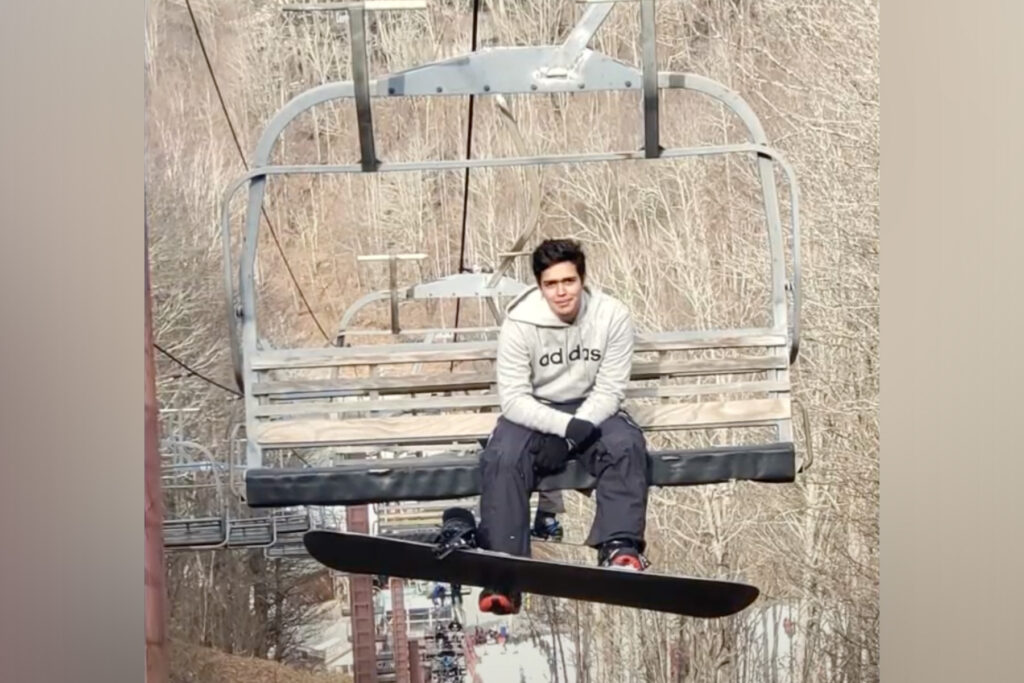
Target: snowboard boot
{"x": 497, "y": 602}
{"x": 546, "y": 527}
{"x": 622, "y": 553}
{"x": 458, "y": 532}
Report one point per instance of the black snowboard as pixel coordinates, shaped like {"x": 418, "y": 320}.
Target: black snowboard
{"x": 364, "y": 554}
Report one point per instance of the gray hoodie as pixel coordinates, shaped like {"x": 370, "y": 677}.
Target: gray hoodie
{"x": 541, "y": 358}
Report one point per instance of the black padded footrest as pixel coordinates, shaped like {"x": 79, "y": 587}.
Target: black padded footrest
{"x": 455, "y": 476}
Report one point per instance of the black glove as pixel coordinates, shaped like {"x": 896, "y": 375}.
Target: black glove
{"x": 551, "y": 453}
{"x": 581, "y": 435}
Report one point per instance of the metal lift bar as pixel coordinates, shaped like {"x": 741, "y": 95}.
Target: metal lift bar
{"x": 446, "y": 477}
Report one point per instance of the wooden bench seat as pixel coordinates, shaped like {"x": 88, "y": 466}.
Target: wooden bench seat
{"x": 492, "y": 400}
{"x": 429, "y": 429}
{"x": 350, "y": 411}
{"x": 282, "y": 390}
{"x": 391, "y": 354}
{"x": 680, "y": 382}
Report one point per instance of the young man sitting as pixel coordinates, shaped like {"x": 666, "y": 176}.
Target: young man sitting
{"x": 565, "y": 355}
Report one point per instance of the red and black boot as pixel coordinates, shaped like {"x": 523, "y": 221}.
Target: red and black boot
{"x": 622, "y": 553}
{"x": 498, "y": 602}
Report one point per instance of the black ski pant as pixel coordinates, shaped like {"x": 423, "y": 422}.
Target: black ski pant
{"x": 618, "y": 462}
{"x": 550, "y": 502}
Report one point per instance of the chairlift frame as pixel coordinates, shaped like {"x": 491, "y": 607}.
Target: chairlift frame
{"x": 223, "y": 530}
{"x": 569, "y": 67}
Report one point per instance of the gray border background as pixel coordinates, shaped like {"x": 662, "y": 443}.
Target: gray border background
{"x": 952, "y": 280}
{"x": 71, "y": 210}
{"x": 71, "y": 342}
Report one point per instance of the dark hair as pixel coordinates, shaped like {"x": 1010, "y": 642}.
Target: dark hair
{"x": 551, "y": 252}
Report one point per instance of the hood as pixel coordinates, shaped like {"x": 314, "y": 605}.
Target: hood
{"x": 530, "y": 307}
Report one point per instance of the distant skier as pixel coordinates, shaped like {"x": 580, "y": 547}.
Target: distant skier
{"x": 565, "y": 353}
{"x": 456, "y": 593}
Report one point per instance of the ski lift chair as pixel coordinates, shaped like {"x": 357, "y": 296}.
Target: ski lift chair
{"x": 418, "y": 396}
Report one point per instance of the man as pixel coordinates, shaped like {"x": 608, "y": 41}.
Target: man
{"x": 564, "y": 360}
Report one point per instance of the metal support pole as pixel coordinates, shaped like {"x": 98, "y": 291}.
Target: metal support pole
{"x": 393, "y": 260}
{"x": 393, "y": 285}
{"x": 578, "y": 38}
{"x": 399, "y": 631}
{"x": 361, "y": 83}
{"x": 652, "y": 146}
{"x": 156, "y": 594}
{"x": 415, "y": 661}
{"x": 364, "y": 648}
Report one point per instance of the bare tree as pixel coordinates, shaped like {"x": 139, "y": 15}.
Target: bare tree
{"x": 811, "y": 73}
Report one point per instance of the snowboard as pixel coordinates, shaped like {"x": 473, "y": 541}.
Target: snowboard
{"x": 364, "y": 554}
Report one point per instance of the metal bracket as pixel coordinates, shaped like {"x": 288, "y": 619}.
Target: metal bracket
{"x": 393, "y": 260}
{"x": 360, "y": 63}
{"x": 568, "y": 54}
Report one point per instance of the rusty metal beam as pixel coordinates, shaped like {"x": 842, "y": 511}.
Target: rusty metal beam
{"x": 156, "y": 593}
{"x": 364, "y": 648}
{"x": 415, "y": 664}
{"x": 399, "y": 631}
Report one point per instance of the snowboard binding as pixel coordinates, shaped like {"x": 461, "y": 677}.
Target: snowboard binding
{"x": 623, "y": 553}
{"x": 547, "y": 528}
{"x": 458, "y": 532}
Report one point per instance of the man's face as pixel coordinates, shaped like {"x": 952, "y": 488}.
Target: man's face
{"x": 561, "y": 287}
